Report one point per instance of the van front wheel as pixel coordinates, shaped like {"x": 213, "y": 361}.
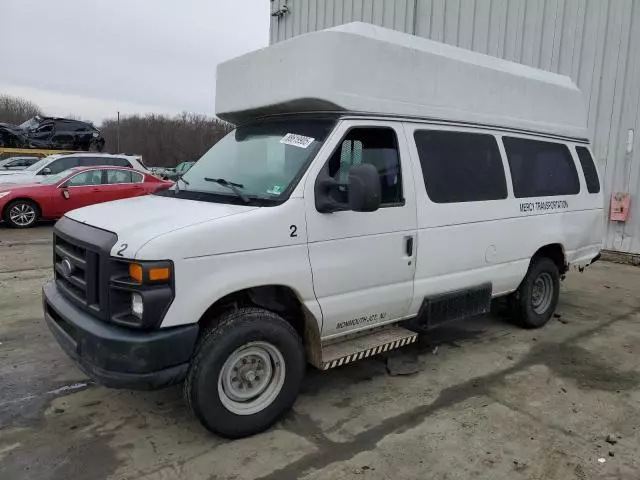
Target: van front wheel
{"x": 246, "y": 372}
{"x": 536, "y": 299}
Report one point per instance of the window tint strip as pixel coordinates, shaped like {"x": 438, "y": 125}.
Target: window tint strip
{"x": 589, "y": 169}
{"x": 541, "y": 169}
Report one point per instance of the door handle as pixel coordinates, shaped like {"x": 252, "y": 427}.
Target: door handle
{"x": 409, "y": 246}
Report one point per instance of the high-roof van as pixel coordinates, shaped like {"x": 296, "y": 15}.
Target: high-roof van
{"x": 377, "y": 185}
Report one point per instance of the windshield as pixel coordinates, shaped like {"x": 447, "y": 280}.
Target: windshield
{"x": 263, "y": 159}
{"x": 38, "y": 165}
{"x": 29, "y": 124}
{"x": 55, "y": 178}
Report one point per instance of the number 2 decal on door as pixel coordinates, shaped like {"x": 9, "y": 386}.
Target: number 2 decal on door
{"x": 294, "y": 231}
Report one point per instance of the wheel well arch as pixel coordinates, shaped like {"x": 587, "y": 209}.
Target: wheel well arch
{"x": 28, "y": 199}
{"x": 279, "y": 299}
{"x": 555, "y": 252}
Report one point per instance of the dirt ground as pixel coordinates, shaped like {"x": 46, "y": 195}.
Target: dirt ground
{"x": 487, "y": 400}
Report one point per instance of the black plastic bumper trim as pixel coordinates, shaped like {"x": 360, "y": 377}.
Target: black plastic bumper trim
{"x": 116, "y": 356}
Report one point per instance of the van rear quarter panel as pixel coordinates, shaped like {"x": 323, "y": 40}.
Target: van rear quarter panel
{"x": 461, "y": 245}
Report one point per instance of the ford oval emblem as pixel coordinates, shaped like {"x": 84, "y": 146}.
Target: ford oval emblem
{"x": 67, "y": 268}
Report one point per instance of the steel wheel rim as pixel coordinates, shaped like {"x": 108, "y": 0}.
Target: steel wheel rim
{"x": 542, "y": 293}
{"x": 251, "y": 378}
{"x": 22, "y": 214}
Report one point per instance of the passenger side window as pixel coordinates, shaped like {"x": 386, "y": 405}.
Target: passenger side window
{"x": 63, "y": 164}
{"x": 123, "y": 176}
{"x": 460, "y": 166}
{"x": 45, "y": 128}
{"x": 540, "y": 169}
{"x": 90, "y": 177}
{"x": 589, "y": 170}
{"x": 93, "y": 161}
{"x": 375, "y": 146}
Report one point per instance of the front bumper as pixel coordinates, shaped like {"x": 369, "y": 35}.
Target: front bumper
{"x": 116, "y": 356}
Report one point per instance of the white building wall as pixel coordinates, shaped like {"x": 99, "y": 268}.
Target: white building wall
{"x": 595, "y": 42}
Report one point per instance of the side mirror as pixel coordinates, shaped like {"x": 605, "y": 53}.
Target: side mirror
{"x": 65, "y": 193}
{"x": 364, "y": 188}
{"x": 45, "y": 171}
{"x": 363, "y": 191}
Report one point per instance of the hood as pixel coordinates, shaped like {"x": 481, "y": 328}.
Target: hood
{"x": 16, "y": 187}
{"x": 138, "y": 220}
{"x": 17, "y": 177}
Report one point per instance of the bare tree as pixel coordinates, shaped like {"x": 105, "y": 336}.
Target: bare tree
{"x": 16, "y": 110}
{"x": 162, "y": 140}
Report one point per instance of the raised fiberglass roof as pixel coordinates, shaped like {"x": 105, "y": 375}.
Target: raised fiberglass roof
{"x": 360, "y": 67}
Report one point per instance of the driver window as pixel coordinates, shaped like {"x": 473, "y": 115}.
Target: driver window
{"x": 46, "y": 128}
{"x": 90, "y": 177}
{"x": 63, "y": 164}
{"x": 376, "y": 146}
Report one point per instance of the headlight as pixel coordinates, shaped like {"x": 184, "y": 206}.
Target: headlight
{"x": 4, "y": 194}
{"x": 137, "y": 306}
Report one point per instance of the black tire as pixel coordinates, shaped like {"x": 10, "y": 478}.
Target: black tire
{"x": 529, "y": 307}
{"x": 229, "y": 333}
{"x": 33, "y": 209}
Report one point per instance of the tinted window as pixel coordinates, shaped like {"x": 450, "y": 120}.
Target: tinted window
{"x": 45, "y": 128}
{"x": 119, "y": 162}
{"x": 589, "y": 169}
{"x": 123, "y": 176}
{"x": 460, "y": 167}
{"x": 93, "y": 161}
{"x": 540, "y": 169}
{"x": 62, "y": 164}
{"x": 91, "y": 177}
{"x": 376, "y": 146}
{"x": 101, "y": 161}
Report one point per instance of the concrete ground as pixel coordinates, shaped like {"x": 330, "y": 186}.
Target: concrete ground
{"x": 487, "y": 400}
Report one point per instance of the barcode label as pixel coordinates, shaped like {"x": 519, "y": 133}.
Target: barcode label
{"x": 296, "y": 140}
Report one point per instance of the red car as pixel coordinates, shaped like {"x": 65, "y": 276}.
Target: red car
{"x": 21, "y": 206}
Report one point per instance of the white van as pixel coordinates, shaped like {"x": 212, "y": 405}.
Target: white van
{"x": 376, "y": 182}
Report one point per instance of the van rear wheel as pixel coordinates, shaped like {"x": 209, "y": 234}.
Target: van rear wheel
{"x": 246, "y": 372}
{"x": 536, "y": 299}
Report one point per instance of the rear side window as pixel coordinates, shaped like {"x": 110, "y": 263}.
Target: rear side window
{"x": 589, "y": 169}
{"x": 119, "y": 162}
{"x": 460, "y": 166}
{"x": 540, "y": 169}
{"x": 123, "y": 176}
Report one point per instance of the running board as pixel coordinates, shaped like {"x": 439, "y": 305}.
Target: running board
{"x": 368, "y": 345}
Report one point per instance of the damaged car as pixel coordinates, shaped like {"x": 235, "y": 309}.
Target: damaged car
{"x": 52, "y": 133}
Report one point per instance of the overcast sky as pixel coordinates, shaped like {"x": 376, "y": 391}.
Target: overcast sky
{"x": 91, "y": 58}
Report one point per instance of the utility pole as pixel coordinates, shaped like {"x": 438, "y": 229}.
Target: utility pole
{"x": 118, "y": 134}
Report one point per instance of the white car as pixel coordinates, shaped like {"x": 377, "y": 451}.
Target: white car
{"x": 54, "y": 164}
{"x": 378, "y": 185}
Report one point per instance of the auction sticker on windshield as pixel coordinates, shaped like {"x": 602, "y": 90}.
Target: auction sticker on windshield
{"x": 297, "y": 140}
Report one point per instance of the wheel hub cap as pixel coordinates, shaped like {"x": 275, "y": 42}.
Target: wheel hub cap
{"x": 542, "y": 293}
{"x": 22, "y": 214}
{"x": 251, "y": 378}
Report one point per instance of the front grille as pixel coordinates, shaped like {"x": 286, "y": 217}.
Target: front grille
{"x": 77, "y": 272}
{"x": 81, "y": 256}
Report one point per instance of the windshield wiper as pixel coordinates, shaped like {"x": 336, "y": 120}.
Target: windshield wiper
{"x": 177, "y": 190}
{"x": 234, "y": 187}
